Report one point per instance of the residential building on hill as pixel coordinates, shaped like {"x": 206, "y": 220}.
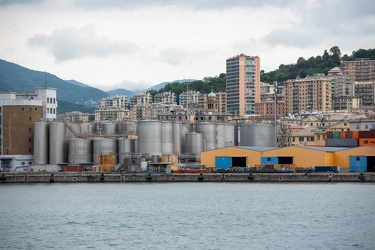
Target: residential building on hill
{"x": 114, "y": 102}
{"x": 166, "y": 98}
{"x": 362, "y": 69}
{"x": 242, "y": 84}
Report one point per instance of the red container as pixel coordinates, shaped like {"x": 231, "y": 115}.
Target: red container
{"x": 342, "y": 134}
{"x": 366, "y": 134}
{"x": 72, "y": 168}
{"x": 268, "y": 167}
{"x": 348, "y": 134}
{"x": 329, "y": 134}
{"x": 355, "y": 134}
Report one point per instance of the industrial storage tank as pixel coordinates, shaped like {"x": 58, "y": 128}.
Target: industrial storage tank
{"x": 108, "y": 129}
{"x": 167, "y": 137}
{"x": 126, "y": 146}
{"x": 127, "y": 128}
{"x": 177, "y": 138}
{"x": 246, "y": 135}
{"x": 194, "y": 144}
{"x": 57, "y": 143}
{"x": 183, "y": 131}
{"x": 86, "y": 128}
{"x": 220, "y": 135}
{"x": 41, "y": 143}
{"x": 263, "y": 135}
{"x": 208, "y": 131}
{"x": 103, "y": 146}
{"x": 229, "y": 135}
{"x": 149, "y": 137}
{"x": 73, "y": 130}
{"x": 80, "y": 151}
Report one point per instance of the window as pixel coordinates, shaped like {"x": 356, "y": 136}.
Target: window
{"x": 29, "y": 139}
{"x": 22, "y": 109}
{"x": 29, "y": 129}
{"x": 366, "y": 126}
{"x": 35, "y": 109}
{"x": 29, "y": 118}
{"x": 301, "y": 138}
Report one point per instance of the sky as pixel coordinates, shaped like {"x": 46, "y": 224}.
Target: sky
{"x": 135, "y": 44}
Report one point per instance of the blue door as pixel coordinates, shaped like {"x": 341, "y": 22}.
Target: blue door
{"x": 358, "y": 163}
{"x": 223, "y": 162}
{"x": 269, "y": 160}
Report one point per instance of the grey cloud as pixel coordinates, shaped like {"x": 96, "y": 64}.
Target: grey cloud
{"x": 194, "y": 4}
{"x": 174, "y": 56}
{"x": 71, "y": 43}
{"x": 11, "y": 2}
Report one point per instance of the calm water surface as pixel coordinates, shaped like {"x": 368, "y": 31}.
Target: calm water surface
{"x": 187, "y": 216}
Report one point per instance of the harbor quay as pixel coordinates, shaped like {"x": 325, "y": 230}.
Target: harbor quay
{"x": 97, "y": 177}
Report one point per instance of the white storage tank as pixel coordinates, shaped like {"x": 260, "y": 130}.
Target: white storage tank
{"x": 41, "y": 143}
{"x": 149, "y": 137}
{"x": 103, "y": 146}
{"x": 230, "y": 135}
{"x": 177, "y": 138}
{"x": 167, "y": 137}
{"x": 57, "y": 143}
{"x": 220, "y": 135}
{"x": 194, "y": 144}
{"x": 208, "y": 131}
{"x": 80, "y": 151}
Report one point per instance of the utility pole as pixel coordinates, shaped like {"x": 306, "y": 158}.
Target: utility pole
{"x": 275, "y": 112}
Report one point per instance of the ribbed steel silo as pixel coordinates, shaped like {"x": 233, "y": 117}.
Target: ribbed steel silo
{"x": 176, "y": 138}
{"x": 41, "y": 143}
{"x": 183, "y": 131}
{"x": 167, "y": 137}
{"x": 80, "y": 151}
{"x": 220, "y": 135}
{"x": 126, "y": 146}
{"x": 103, "y": 146}
{"x": 86, "y": 128}
{"x": 194, "y": 144}
{"x": 246, "y": 135}
{"x": 73, "y": 130}
{"x": 57, "y": 143}
{"x": 208, "y": 131}
{"x": 229, "y": 136}
{"x": 149, "y": 137}
{"x": 109, "y": 129}
{"x": 263, "y": 135}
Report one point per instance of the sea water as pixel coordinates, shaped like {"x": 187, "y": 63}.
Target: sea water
{"x": 187, "y": 216}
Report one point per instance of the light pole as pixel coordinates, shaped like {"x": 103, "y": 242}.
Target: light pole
{"x": 275, "y": 112}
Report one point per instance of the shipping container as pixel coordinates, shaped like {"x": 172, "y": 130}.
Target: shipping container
{"x": 366, "y": 141}
{"x": 345, "y": 142}
{"x": 358, "y": 163}
{"x": 336, "y": 135}
{"x": 348, "y": 134}
{"x": 72, "y": 168}
{"x": 366, "y": 134}
{"x": 330, "y": 134}
{"x": 277, "y": 167}
{"x": 268, "y": 167}
{"x": 342, "y": 134}
{"x": 223, "y": 162}
{"x": 288, "y": 167}
{"x": 355, "y": 134}
{"x": 324, "y": 169}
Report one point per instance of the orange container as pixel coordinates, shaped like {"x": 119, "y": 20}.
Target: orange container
{"x": 342, "y": 134}
{"x": 355, "y": 134}
{"x": 366, "y": 141}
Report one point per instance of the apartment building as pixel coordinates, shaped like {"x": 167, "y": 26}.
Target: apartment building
{"x": 312, "y": 93}
{"x": 166, "y": 98}
{"x": 366, "y": 92}
{"x": 140, "y": 99}
{"x": 114, "y": 102}
{"x": 362, "y": 69}
{"x": 242, "y": 84}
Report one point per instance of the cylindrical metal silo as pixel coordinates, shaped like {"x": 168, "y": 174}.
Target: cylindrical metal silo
{"x": 80, "y": 151}
{"x": 176, "y": 138}
{"x": 149, "y": 137}
{"x": 131, "y": 128}
{"x": 109, "y": 129}
{"x": 220, "y": 135}
{"x": 183, "y": 131}
{"x": 86, "y": 128}
{"x": 246, "y": 135}
{"x": 208, "y": 131}
{"x": 57, "y": 143}
{"x": 41, "y": 143}
{"x": 194, "y": 144}
{"x": 229, "y": 136}
{"x": 263, "y": 135}
{"x": 126, "y": 146}
{"x": 167, "y": 138}
{"x": 103, "y": 146}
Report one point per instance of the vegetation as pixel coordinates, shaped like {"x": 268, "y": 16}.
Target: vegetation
{"x": 205, "y": 86}
{"x": 318, "y": 64}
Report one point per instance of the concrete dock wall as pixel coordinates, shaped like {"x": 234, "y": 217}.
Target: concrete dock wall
{"x": 206, "y": 177}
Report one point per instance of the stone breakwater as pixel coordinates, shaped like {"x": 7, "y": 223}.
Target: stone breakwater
{"x": 205, "y": 177}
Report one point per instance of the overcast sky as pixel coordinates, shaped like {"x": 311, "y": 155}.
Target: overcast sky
{"x": 135, "y": 44}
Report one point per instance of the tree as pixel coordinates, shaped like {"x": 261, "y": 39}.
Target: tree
{"x": 335, "y": 54}
{"x": 325, "y": 56}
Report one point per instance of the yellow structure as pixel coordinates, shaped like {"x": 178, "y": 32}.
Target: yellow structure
{"x": 252, "y": 155}
{"x": 303, "y": 156}
{"x": 107, "y": 162}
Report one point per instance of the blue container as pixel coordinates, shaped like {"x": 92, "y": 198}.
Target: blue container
{"x": 269, "y": 160}
{"x": 223, "y": 162}
{"x": 358, "y": 163}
